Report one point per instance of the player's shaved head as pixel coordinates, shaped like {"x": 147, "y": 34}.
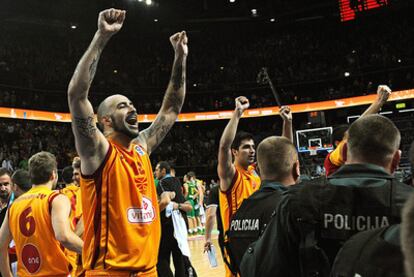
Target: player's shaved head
{"x": 107, "y": 105}
{"x": 276, "y": 158}
{"x": 373, "y": 139}
{"x": 118, "y": 114}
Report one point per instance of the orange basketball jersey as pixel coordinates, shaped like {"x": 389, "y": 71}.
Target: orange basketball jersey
{"x": 73, "y": 192}
{"x": 38, "y": 251}
{"x": 244, "y": 183}
{"x": 121, "y": 214}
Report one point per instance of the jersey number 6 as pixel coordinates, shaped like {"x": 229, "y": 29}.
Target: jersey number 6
{"x": 27, "y": 223}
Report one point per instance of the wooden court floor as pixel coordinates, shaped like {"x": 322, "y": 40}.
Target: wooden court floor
{"x": 199, "y": 260}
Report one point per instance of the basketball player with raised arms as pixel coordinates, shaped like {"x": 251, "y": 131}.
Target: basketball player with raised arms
{"x": 119, "y": 198}
{"x": 239, "y": 179}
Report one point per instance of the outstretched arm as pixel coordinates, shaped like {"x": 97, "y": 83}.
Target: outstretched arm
{"x": 210, "y": 219}
{"x": 225, "y": 168}
{"x": 89, "y": 141}
{"x": 383, "y": 93}
{"x": 286, "y": 115}
{"x": 173, "y": 101}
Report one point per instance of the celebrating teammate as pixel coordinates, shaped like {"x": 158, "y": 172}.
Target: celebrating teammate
{"x": 239, "y": 180}
{"x": 121, "y": 214}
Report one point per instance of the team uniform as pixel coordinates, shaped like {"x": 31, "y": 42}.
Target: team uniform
{"x": 30, "y": 222}
{"x": 192, "y": 191}
{"x": 244, "y": 183}
{"x": 121, "y": 215}
{"x": 73, "y": 192}
{"x": 336, "y": 158}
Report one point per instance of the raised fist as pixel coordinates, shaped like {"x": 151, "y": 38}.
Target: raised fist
{"x": 242, "y": 104}
{"x": 110, "y": 21}
{"x": 384, "y": 93}
{"x": 179, "y": 43}
{"x": 285, "y": 113}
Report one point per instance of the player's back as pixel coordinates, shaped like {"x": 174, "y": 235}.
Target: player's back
{"x": 30, "y": 221}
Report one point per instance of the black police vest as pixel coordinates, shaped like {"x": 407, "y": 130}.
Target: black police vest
{"x": 369, "y": 254}
{"x": 313, "y": 222}
{"x": 249, "y": 222}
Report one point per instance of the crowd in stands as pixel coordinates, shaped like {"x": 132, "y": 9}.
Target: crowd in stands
{"x": 196, "y": 143}
{"x": 306, "y": 62}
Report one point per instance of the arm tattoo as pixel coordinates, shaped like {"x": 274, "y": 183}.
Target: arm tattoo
{"x": 85, "y": 126}
{"x": 92, "y": 68}
{"x": 177, "y": 76}
{"x": 175, "y": 101}
{"x": 159, "y": 131}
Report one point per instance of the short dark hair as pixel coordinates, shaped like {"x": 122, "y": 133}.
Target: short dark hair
{"x": 276, "y": 157}
{"x": 241, "y": 136}
{"x": 67, "y": 174}
{"x": 4, "y": 171}
{"x": 22, "y": 179}
{"x": 338, "y": 132}
{"x": 191, "y": 174}
{"x": 165, "y": 165}
{"x": 41, "y": 167}
{"x": 373, "y": 139}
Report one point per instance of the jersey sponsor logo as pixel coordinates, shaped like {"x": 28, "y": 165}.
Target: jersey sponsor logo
{"x": 139, "y": 150}
{"x": 145, "y": 214}
{"x": 31, "y": 258}
{"x": 354, "y": 223}
{"x": 245, "y": 224}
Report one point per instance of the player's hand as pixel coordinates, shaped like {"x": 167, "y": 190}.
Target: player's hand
{"x": 383, "y": 93}
{"x": 286, "y": 113}
{"x": 110, "y": 21}
{"x": 179, "y": 42}
{"x": 175, "y": 206}
{"x": 242, "y": 104}
{"x": 207, "y": 245}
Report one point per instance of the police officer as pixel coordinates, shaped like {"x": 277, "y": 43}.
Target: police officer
{"x": 277, "y": 161}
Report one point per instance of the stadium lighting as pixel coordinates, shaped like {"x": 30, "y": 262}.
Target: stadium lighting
{"x": 221, "y": 67}
{"x": 347, "y": 74}
{"x": 115, "y": 71}
{"x": 73, "y": 26}
{"x": 194, "y": 85}
{"x": 148, "y": 2}
{"x": 140, "y": 0}
{"x": 272, "y": 20}
{"x": 254, "y": 12}
{"x": 353, "y": 51}
{"x": 232, "y": 1}
{"x": 155, "y": 20}
{"x": 399, "y": 60}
